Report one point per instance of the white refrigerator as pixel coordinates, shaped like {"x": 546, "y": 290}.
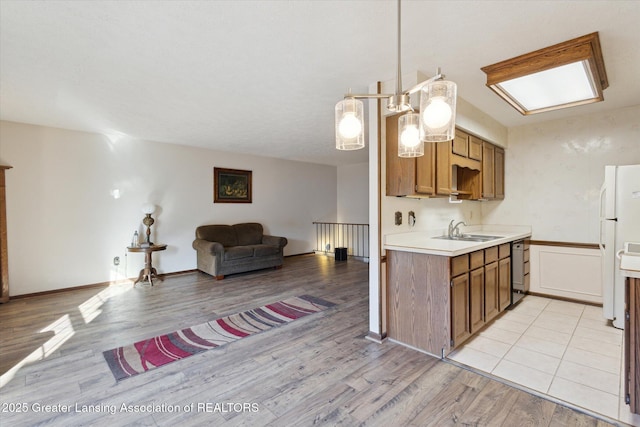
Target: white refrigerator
{"x": 619, "y": 223}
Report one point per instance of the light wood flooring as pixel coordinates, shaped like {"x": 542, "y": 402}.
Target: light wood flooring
{"x": 319, "y": 370}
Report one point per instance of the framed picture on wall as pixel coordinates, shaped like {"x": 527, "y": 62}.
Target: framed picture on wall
{"x": 231, "y": 186}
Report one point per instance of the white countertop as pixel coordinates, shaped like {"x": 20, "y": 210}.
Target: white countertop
{"x": 630, "y": 265}
{"x": 424, "y": 242}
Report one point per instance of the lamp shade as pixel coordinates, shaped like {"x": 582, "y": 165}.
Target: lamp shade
{"x": 438, "y": 111}
{"x": 349, "y": 124}
{"x": 409, "y": 142}
{"x": 148, "y": 208}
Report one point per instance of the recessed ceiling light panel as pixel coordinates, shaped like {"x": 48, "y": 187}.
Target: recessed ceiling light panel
{"x": 560, "y": 76}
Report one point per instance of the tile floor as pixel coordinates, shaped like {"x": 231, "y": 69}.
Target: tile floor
{"x": 563, "y": 349}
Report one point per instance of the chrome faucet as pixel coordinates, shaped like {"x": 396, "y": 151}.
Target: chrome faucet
{"x": 454, "y": 230}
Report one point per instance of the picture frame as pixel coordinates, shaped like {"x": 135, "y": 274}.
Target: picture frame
{"x": 231, "y": 185}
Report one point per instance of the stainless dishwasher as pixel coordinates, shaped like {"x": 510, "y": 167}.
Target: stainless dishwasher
{"x": 517, "y": 271}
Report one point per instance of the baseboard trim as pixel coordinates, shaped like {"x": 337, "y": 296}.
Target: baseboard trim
{"x": 94, "y": 285}
{"x": 564, "y": 244}
{"x": 556, "y": 297}
{"x": 375, "y": 337}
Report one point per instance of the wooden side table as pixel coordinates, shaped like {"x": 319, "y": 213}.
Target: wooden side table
{"x": 148, "y": 271}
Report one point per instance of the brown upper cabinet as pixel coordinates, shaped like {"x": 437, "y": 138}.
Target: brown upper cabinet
{"x": 458, "y": 167}
{"x": 492, "y": 171}
{"x": 408, "y": 176}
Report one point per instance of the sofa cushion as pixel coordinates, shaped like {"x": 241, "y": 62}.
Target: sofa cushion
{"x": 249, "y": 233}
{"x": 224, "y": 234}
{"x": 237, "y": 252}
{"x": 265, "y": 250}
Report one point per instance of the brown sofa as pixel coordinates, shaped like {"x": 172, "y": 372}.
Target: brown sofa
{"x": 229, "y": 249}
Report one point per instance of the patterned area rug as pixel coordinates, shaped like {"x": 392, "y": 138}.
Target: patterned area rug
{"x": 148, "y": 354}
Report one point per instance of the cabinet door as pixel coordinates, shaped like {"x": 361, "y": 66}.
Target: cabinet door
{"x": 504, "y": 283}
{"x": 475, "y": 148}
{"x": 499, "y": 173}
{"x": 460, "y": 325}
{"x": 401, "y": 171}
{"x": 476, "y": 297}
{"x": 631, "y": 343}
{"x": 460, "y": 143}
{"x": 443, "y": 168}
{"x": 426, "y": 170}
{"x": 490, "y": 291}
{"x": 488, "y": 167}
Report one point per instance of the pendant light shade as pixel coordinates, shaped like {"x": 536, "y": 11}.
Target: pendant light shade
{"x": 438, "y": 111}
{"x": 350, "y": 124}
{"x": 409, "y": 142}
{"x": 436, "y": 121}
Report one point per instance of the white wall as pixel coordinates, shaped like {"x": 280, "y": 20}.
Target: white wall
{"x": 65, "y": 227}
{"x": 554, "y": 171}
{"x": 353, "y": 193}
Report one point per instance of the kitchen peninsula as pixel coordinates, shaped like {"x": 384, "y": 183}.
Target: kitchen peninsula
{"x": 441, "y": 291}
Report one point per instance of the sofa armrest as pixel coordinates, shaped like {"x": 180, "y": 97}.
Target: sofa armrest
{"x": 280, "y": 242}
{"x": 213, "y": 248}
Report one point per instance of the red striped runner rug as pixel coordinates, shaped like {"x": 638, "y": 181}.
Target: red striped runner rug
{"x": 151, "y": 353}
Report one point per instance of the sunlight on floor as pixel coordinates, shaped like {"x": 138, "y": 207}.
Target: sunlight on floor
{"x": 63, "y": 329}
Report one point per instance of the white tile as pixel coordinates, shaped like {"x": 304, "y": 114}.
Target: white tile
{"x": 557, "y": 322}
{"x": 592, "y": 312}
{"x": 595, "y": 346}
{"x": 611, "y": 336}
{"x": 489, "y": 346}
{"x": 474, "y": 358}
{"x": 523, "y": 375}
{"x": 585, "y": 396}
{"x": 593, "y": 360}
{"x": 533, "y": 359}
{"x": 510, "y": 325}
{"x": 534, "y": 301}
{"x": 502, "y": 335}
{"x": 592, "y": 377}
{"x": 566, "y": 308}
{"x": 541, "y": 346}
{"x": 548, "y": 335}
{"x": 527, "y": 310}
{"x": 520, "y": 318}
{"x": 597, "y": 324}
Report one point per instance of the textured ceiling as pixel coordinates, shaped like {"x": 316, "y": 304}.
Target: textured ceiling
{"x": 263, "y": 77}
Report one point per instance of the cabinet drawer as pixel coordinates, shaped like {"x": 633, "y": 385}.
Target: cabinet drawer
{"x": 477, "y": 259}
{"x": 459, "y": 265}
{"x": 460, "y": 142}
{"x": 475, "y": 148}
{"x": 526, "y": 255}
{"x": 504, "y": 250}
{"x": 491, "y": 254}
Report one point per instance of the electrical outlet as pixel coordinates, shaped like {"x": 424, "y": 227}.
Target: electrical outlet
{"x": 116, "y": 260}
{"x": 398, "y": 218}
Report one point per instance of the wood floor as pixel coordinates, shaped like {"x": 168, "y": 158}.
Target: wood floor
{"x": 319, "y": 370}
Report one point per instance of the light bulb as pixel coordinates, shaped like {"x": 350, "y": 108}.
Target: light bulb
{"x": 437, "y": 114}
{"x": 349, "y": 127}
{"x": 410, "y": 136}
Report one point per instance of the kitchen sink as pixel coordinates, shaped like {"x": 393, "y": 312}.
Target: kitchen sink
{"x": 470, "y": 238}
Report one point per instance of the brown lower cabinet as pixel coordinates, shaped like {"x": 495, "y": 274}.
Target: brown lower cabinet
{"x": 435, "y": 303}
{"x": 631, "y": 344}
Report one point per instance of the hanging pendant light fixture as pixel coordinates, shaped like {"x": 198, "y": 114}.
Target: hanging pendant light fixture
{"x": 436, "y": 121}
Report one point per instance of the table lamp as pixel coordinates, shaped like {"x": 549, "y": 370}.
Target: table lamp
{"x": 148, "y": 209}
